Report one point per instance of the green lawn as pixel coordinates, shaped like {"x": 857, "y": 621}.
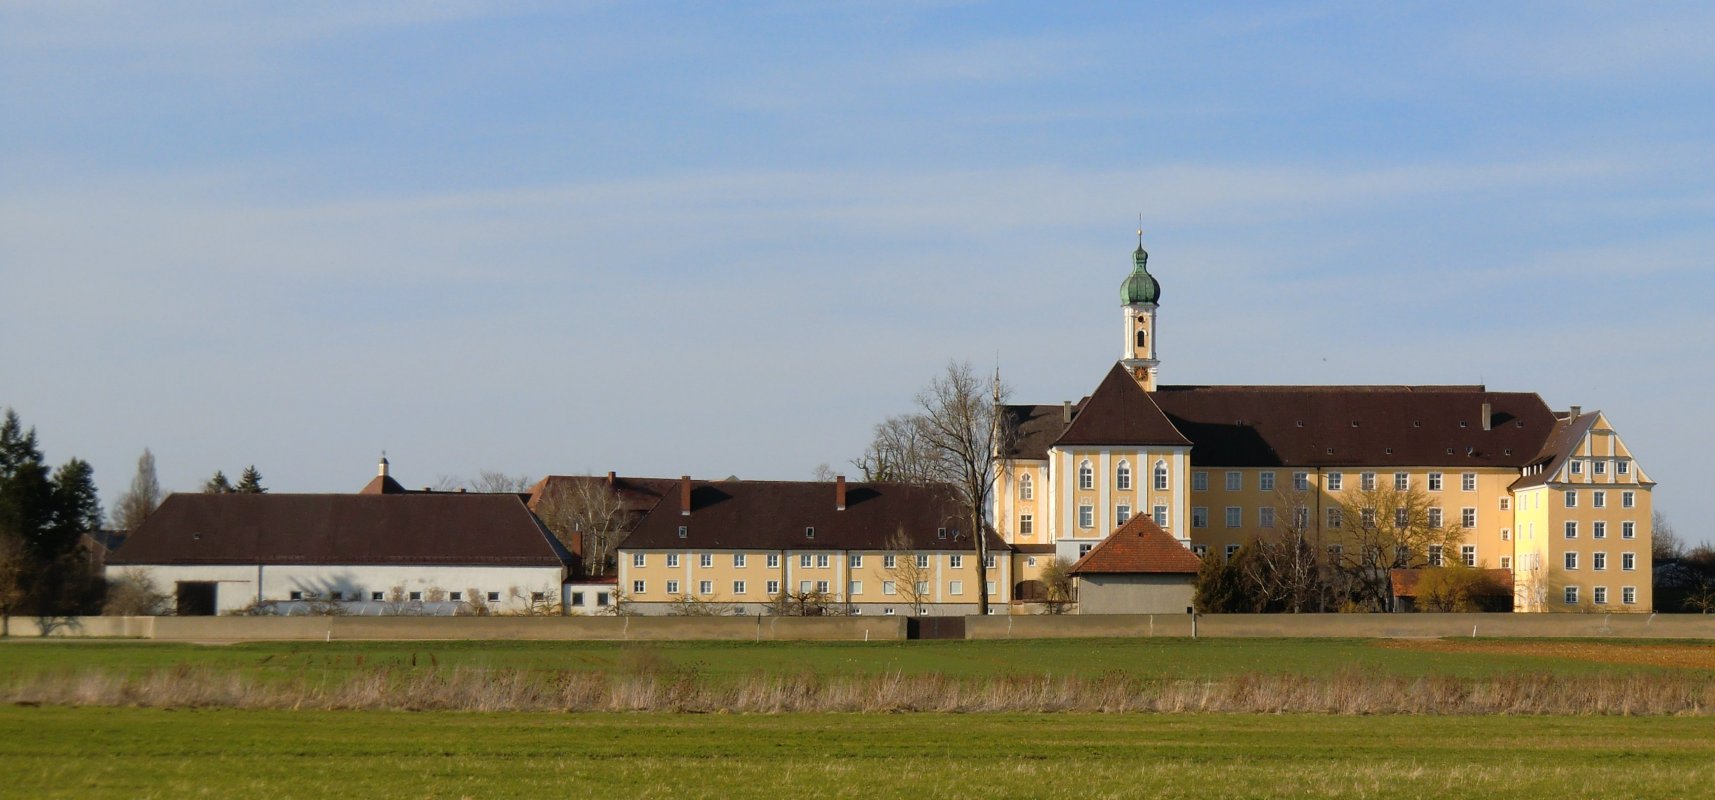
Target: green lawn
{"x": 135, "y": 753}
{"x": 1173, "y": 658}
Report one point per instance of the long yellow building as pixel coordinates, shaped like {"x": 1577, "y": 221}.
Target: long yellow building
{"x": 1555, "y": 499}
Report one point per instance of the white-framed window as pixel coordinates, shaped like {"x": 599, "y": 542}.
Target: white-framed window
{"x": 638, "y": 587}
{"x": 821, "y": 587}
{"x": 1122, "y": 476}
{"x": 955, "y": 588}
{"x": 1333, "y": 517}
{"x": 1026, "y": 488}
{"x": 1468, "y": 482}
{"x": 1598, "y": 499}
{"x": 1336, "y": 481}
{"x": 1399, "y": 518}
{"x": 379, "y": 596}
{"x": 1601, "y": 467}
{"x": 1300, "y": 481}
{"x": 988, "y": 588}
{"x": 1628, "y": 530}
{"x": 1367, "y": 518}
{"x": 1161, "y": 516}
{"x": 773, "y": 588}
{"x": 1623, "y": 467}
{"x": 1235, "y": 480}
{"x": 955, "y": 561}
{"x": 638, "y": 559}
{"x": 988, "y": 561}
{"x": 1506, "y": 534}
{"x": 295, "y": 594}
{"x": 672, "y": 587}
{"x": 1598, "y": 560}
{"x": 1435, "y": 481}
{"x": 821, "y": 561}
{"x": 1401, "y": 481}
{"x": 1030, "y": 561}
{"x": 856, "y": 561}
{"x": 684, "y": 531}
{"x": 774, "y": 561}
{"x": 804, "y": 561}
{"x": 1122, "y": 514}
{"x": 705, "y": 560}
{"x": 1200, "y": 550}
{"x": 854, "y": 588}
{"x": 1599, "y": 594}
{"x": 1086, "y": 516}
{"x": 705, "y": 587}
{"x": 1084, "y": 549}
{"x": 1235, "y": 516}
{"x": 1628, "y": 594}
{"x": 1026, "y": 524}
{"x": 1301, "y": 517}
{"x": 1572, "y": 529}
{"x": 1506, "y": 504}
{"x": 890, "y": 561}
{"x": 1628, "y": 561}
{"x": 1231, "y": 549}
{"x": 417, "y": 597}
{"x": 738, "y": 560}
{"x": 1598, "y": 530}
{"x": 1265, "y": 517}
{"x": 1628, "y": 499}
{"x": 889, "y": 588}
{"x": 457, "y": 597}
{"x": 1572, "y": 497}
{"x": 1161, "y": 476}
{"x": 1577, "y": 467}
{"x": 672, "y": 560}
{"x": 1569, "y": 595}
{"x": 494, "y": 597}
{"x": 1199, "y": 481}
{"x": 1468, "y": 554}
{"x": 1468, "y": 517}
{"x": 887, "y": 611}
{"x": 804, "y": 587}
{"x": 1367, "y": 481}
{"x": 1199, "y": 516}
{"x": 1506, "y": 562}
{"x": 1086, "y": 476}
{"x": 809, "y": 532}
{"x": 1335, "y": 551}
{"x": 1435, "y": 555}
{"x": 1571, "y": 559}
{"x": 922, "y": 560}
{"x": 1265, "y": 481}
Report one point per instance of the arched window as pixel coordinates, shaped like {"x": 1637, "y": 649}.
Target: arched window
{"x": 1122, "y": 476}
{"x": 1026, "y": 490}
{"x": 1086, "y": 476}
{"x": 1142, "y": 339}
{"x": 1161, "y": 476}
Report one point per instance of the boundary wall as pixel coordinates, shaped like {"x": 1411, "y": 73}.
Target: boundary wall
{"x": 1347, "y": 626}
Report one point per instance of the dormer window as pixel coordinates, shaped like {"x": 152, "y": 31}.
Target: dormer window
{"x": 684, "y": 531}
{"x": 940, "y": 533}
{"x": 810, "y": 533}
{"x": 1417, "y": 423}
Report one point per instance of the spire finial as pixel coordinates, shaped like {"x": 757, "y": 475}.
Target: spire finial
{"x": 1140, "y": 229}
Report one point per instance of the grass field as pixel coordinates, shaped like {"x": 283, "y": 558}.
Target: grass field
{"x": 140, "y": 753}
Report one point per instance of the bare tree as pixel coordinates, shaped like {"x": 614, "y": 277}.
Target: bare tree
{"x": 1665, "y": 544}
{"x": 1383, "y": 528}
{"x": 898, "y": 453}
{"x": 965, "y": 431}
{"x": 1057, "y": 585}
{"x": 910, "y": 575}
{"x": 141, "y": 500}
{"x": 788, "y": 603}
{"x": 823, "y": 473}
{"x": 587, "y": 516}
{"x": 134, "y": 594}
{"x": 493, "y": 481}
{"x": 1285, "y": 566}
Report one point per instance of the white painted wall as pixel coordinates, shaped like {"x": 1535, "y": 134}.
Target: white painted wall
{"x": 237, "y": 583}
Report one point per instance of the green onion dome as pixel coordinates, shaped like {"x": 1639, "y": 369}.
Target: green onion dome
{"x": 1140, "y": 286}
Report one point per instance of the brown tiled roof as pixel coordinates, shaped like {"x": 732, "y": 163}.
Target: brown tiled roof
{"x": 1120, "y": 412}
{"x": 1034, "y": 549}
{"x": 338, "y": 529}
{"x": 1561, "y": 443}
{"x": 1036, "y": 427}
{"x": 773, "y": 515}
{"x": 1139, "y": 546}
{"x": 1499, "y": 581}
{"x": 383, "y": 484}
{"x": 1258, "y": 426}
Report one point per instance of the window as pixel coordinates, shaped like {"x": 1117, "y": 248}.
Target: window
{"x": 890, "y": 561}
{"x": 854, "y": 588}
{"x": 1084, "y": 549}
{"x": 804, "y": 587}
{"x": 988, "y": 589}
{"x": 1231, "y": 549}
{"x": 295, "y": 596}
{"x": 637, "y": 559}
{"x": 1199, "y": 481}
{"x": 1333, "y": 517}
{"x": 1367, "y": 481}
{"x": 377, "y": 596}
{"x": 1598, "y": 530}
{"x": 1121, "y": 514}
{"x": 417, "y": 597}
{"x": 988, "y": 563}
{"x": 1628, "y": 499}
{"x": 1235, "y": 481}
{"x": 1336, "y": 481}
{"x": 809, "y": 533}
{"x": 1086, "y": 476}
{"x": 1623, "y": 467}
{"x": 1572, "y": 560}
{"x": 1599, "y": 595}
{"x": 602, "y": 599}
{"x": 1570, "y": 595}
{"x": 1468, "y": 482}
{"x": 1265, "y": 481}
{"x": 804, "y": 561}
{"x": 889, "y": 588}
{"x": 1468, "y": 554}
{"x": 1030, "y": 561}
{"x": 773, "y": 588}
{"x": 1160, "y": 476}
{"x": 457, "y": 597}
{"x": 955, "y": 587}
{"x": 1122, "y": 476}
{"x": 774, "y": 561}
{"x": 1335, "y": 551}
{"x": 821, "y": 587}
{"x": 1235, "y": 516}
{"x": 1629, "y": 594}
{"x": 1367, "y": 518}
{"x": 1577, "y": 468}
{"x": 1628, "y": 530}
{"x": 706, "y": 560}
{"x": 577, "y": 597}
{"x": 1200, "y": 550}
{"x": 672, "y": 560}
{"x": 1026, "y": 488}
{"x": 738, "y": 559}
{"x": 1300, "y": 517}
{"x": 1628, "y": 561}
{"x": 1199, "y": 516}
{"x": 940, "y": 533}
{"x": 1506, "y": 562}
{"x": 955, "y": 561}
{"x": 1598, "y": 560}
{"x": 1506, "y": 534}
{"x": 684, "y": 531}
{"x": 1601, "y": 467}
{"x": 1086, "y": 516}
{"x": 821, "y": 561}
{"x": 1468, "y": 517}
{"x": 1401, "y": 481}
{"x": 1571, "y": 529}
{"x": 638, "y": 587}
{"x": 1435, "y": 481}
{"x": 672, "y": 587}
{"x": 1402, "y": 556}
{"x": 1598, "y": 499}
{"x": 1506, "y": 504}
{"x": 856, "y": 561}
{"x": 1026, "y": 525}
{"x": 494, "y": 597}
{"x": 1399, "y": 518}
{"x": 1265, "y": 517}
{"x": 922, "y": 560}
{"x": 1571, "y": 498}
{"x": 1434, "y": 555}
{"x": 1161, "y": 516}
{"x": 1300, "y": 481}
{"x": 888, "y": 611}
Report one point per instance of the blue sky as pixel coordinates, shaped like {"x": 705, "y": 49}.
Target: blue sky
{"x": 728, "y": 238}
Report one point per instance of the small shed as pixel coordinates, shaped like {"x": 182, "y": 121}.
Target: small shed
{"x": 1140, "y": 569}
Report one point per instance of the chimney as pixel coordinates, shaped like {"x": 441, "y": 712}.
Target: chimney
{"x": 685, "y": 495}
{"x": 382, "y": 469}
{"x": 839, "y": 492}
{"x": 611, "y": 479}
{"x": 1577, "y": 411}
{"x": 1488, "y": 411}
{"x": 1066, "y": 412}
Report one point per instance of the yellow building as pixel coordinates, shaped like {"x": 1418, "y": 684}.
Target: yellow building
{"x": 1555, "y": 498}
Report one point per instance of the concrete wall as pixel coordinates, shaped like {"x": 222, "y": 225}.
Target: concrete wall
{"x": 1135, "y": 594}
{"x": 234, "y": 629}
{"x": 1321, "y": 626}
{"x": 236, "y": 584}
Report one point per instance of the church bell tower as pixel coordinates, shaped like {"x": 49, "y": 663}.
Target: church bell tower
{"x": 1139, "y": 294}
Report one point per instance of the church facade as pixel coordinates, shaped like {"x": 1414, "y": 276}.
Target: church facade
{"x": 1553, "y": 498}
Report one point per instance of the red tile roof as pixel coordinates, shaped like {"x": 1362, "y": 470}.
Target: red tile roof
{"x": 1139, "y": 546}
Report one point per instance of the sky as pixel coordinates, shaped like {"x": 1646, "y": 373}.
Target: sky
{"x": 728, "y": 238}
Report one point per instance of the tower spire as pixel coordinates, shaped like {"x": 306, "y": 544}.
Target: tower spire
{"x": 1139, "y": 294}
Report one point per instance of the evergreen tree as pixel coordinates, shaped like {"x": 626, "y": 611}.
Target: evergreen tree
{"x": 1222, "y": 587}
{"x": 250, "y": 482}
{"x": 137, "y": 503}
{"x": 77, "y": 508}
{"x": 217, "y": 484}
{"x": 26, "y": 493}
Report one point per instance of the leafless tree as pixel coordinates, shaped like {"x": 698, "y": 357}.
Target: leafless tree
{"x": 587, "y": 516}
{"x": 1057, "y": 585}
{"x": 911, "y": 577}
{"x": 494, "y": 481}
{"x": 1665, "y": 544}
{"x": 134, "y": 594}
{"x": 803, "y": 603}
{"x": 898, "y": 453}
{"x": 964, "y": 428}
{"x": 141, "y": 500}
{"x": 1286, "y": 568}
{"x": 688, "y": 606}
{"x": 1383, "y": 528}
{"x": 823, "y": 473}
